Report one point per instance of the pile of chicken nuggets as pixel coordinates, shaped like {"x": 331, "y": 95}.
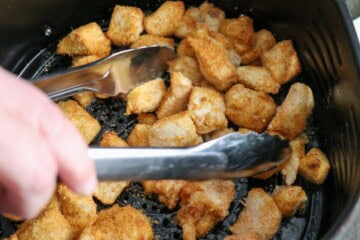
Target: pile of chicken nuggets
{"x": 225, "y": 72}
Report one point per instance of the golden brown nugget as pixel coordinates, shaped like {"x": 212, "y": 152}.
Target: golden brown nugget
{"x": 184, "y": 49}
{"x": 207, "y": 110}
{"x": 211, "y": 16}
{"x": 168, "y": 191}
{"x": 260, "y": 215}
{"x": 234, "y": 57}
{"x": 188, "y": 23}
{"x": 291, "y": 117}
{"x": 315, "y": 166}
{"x": 244, "y": 236}
{"x": 214, "y": 62}
{"x": 84, "y": 98}
{"x": 282, "y": 62}
{"x": 85, "y": 40}
{"x": 122, "y": 223}
{"x": 248, "y": 108}
{"x": 146, "y": 118}
{"x": 290, "y": 199}
{"x": 126, "y": 25}
{"x": 108, "y": 191}
{"x": 217, "y": 133}
{"x": 264, "y": 41}
{"x": 79, "y": 211}
{"x": 148, "y": 40}
{"x": 203, "y": 205}
{"x": 189, "y": 67}
{"x": 139, "y": 136}
{"x": 88, "y": 126}
{"x": 257, "y": 78}
{"x": 165, "y": 20}
{"x": 177, "y": 96}
{"x": 241, "y": 33}
{"x": 146, "y": 97}
{"x": 174, "y": 131}
{"x": 111, "y": 139}
{"x": 78, "y": 61}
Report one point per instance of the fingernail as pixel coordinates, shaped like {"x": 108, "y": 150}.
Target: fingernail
{"x": 89, "y": 187}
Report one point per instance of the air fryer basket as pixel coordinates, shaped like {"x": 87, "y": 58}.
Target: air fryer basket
{"x": 326, "y": 43}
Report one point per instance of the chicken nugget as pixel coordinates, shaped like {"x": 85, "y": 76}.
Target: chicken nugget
{"x": 211, "y": 15}
{"x": 244, "y": 236}
{"x": 123, "y": 223}
{"x": 189, "y": 67}
{"x": 165, "y": 20}
{"x": 188, "y": 23}
{"x": 248, "y": 108}
{"x": 139, "y": 136}
{"x": 146, "y": 118}
{"x": 88, "y": 126}
{"x": 84, "y": 98}
{"x": 108, "y": 191}
{"x": 148, "y": 40}
{"x": 111, "y": 139}
{"x": 217, "y": 134}
{"x": 146, "y": 97}
{"x": 177, "y": 96}
{"x": 289, "y": 199}
{"x": 282, "y": 61}
{"x": 260, "y": 215}
{"x": 315, "y": 166}
{"x": 78, "y": 61}
{"x": 184, "y": 49}
{"x": 126, "y": 25}
{"x": 257, "y": 78}
{"x": 85, "y": 40}
{"x": 174, "y": 131}
{"x": 291, "y": 117}
{"x": 168, "y": 191}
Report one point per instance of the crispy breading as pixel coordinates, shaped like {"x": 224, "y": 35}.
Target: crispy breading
{"x": 184, "y": 49}
{"x": 177, "y": 96}
{"x": 257, "y": 78}
{"x": 125, "y": 223}
{"x": 189, "y": 67}
{"x": 139, "y": 136}
{"x": 264, "y": 41}
{"x": 203, "y": 205}
{"x": 168, "y": 191}
{"x": 207, "y": 110}
{"x": 111, "y": 139}
{"x": 234, "y": 57}
{"x": 282, "y": 61}
{"x": 165, "y": 20}
{"x": 214, "y": 62}
{"x": 289, "y": 199}
{"x": 79, "y": 211}
{"x": 84, "y": 98}
{"x": 217, "y": 133}
{"x": 260, "y": 215}
{"x": 126, "y": 25}
{"x": 211, "y": 15}
{"x": 290, "y": 169}
{"x": 248, "y": 108}
{"x": 78, "y": 61}
{"x": 174, "y": 131}
{"x": 241, "y": 33}
{"x": 243, "y": 130}
{"x": 148, "y": 40}
{"x": 315, "y": 166}
{"x": 244, "y": 236}
{"x": 188, "y": 23}
{"x": 146, "y": 118}
{"x": 85, "y": 40}
{"x": 146, "y": 97}
{"x": 88, "y": 126}
{"x": 108, "y": 191}
{"x": 291, "y": 117}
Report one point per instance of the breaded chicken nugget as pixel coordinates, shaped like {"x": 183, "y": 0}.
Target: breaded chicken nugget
{"x": 257, "y": 78}
{"x": 260, "y": 215}
{"x": 291, "y": 117}
{"x": 177, "y": 96}
{"x": 248, "y": 108}
{"x": 315, "y": 166}
{"x": 139, "y": 136}
{"x": 165, "y": 20}
{"x": 78, "y": 61}
{"x": 217, "y": 133}
{"x": 211, "y": 16}
{"x": 148, "y": 40}
{"x": 174, "y": 131}
{"x": 168, "y": 191}
{"x": 111, "y": 139}
{"x": 282, "y": 62}
{"x": 123, "y": 223}
{"x": 289, "y": 199}
{"x": 207, "y": 110}
{"x": 188, "y": 23}
{"x": 108, "y": 191}
{"x": 84, "y": 98}
{"x": 146, "y": 118}
{"x": 79, "y": 211}
{"x": 184, "y": 49}
{"x": 88, "y": 126}
{"x": 126, "y": 25}
{"x": 85, "y": 40}
{"x": 189, "y": 67}
{"x": 244, "y": 236}
{"x": 146, "y": 97}
{"x": 203, "y": 205}
{"x": 264, "y": 41}
{"x": 214, "y": 62}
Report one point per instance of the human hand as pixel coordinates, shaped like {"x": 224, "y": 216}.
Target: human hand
{"x": 37, "y": 144}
